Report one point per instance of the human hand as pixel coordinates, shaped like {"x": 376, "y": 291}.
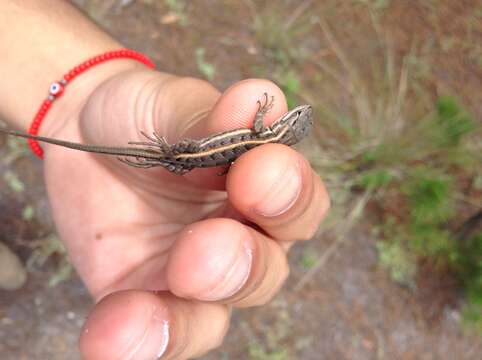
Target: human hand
{"x": 167, "y": 256}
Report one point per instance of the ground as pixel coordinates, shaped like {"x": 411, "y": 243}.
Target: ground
{"x": 347, "y": 309}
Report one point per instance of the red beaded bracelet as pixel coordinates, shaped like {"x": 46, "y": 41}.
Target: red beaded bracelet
{"x": 57, "y": 88}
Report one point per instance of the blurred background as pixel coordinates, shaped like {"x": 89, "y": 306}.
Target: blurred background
{"x": 396, "y": 270}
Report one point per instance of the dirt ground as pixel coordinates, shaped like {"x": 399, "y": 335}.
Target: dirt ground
{"x": 349, "y": 309}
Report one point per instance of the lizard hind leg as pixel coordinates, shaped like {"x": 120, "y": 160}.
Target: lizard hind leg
{"x": 138, "y": 163}
{"x": 155, "y": 141}
{"x": 146, "y": 164}
{"x": 263, "y": 109}
{"x": 177, "y": 169}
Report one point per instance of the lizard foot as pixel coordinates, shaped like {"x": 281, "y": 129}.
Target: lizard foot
{"x": 263, "y": 109}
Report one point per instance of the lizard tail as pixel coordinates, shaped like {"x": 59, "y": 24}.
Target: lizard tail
{"x": 146, "y": 153}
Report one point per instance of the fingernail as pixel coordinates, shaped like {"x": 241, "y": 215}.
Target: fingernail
{"x": 235, "y": 277}
{"x": 155, "y": 339}
{"x": 283, "y": 193}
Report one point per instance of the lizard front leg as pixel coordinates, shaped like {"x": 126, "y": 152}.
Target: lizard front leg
{"x": 156, "y": 141}
{"x": 263, "y": 109}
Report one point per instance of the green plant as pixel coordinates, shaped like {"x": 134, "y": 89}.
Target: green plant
{"x": 178, "y": 8}
{"x": 398, "y": 260}
{"x": 278, "y": 32}
{"x": 374, "y": 4}
{"x": 376, "y": 179}
{"x": 428, "y": 192}
{"x": 13, "y": 181}
{"x": 257, "y": 352}
{"x": 451, "y": 123}
{"x": 290, "y": 84}
{"x": 308, "y": 260}
{"x": 48, "y": 248}
{"x": 28, "y": 213}
{"x": 468, "y": 266}
{"x": 207, "y": 69}
{"x": 278, "y": 35}
{"x": 383, "y": 136}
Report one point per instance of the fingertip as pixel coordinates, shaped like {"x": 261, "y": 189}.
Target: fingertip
{"x": 275, "y": 187}
{"x": 222, "y": 264}
{"x": 267, "y": 180}
{"x": 141, "y": 325}
{"x": 126, "y": 324}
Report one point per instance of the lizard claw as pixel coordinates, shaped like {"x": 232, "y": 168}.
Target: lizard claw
{"x": 267, "y": 105}
{"x": 259, "y": 106}
{"x": 263, "y": 109}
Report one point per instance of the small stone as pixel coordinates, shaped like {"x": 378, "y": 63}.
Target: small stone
{"x": 70, "y": 315}
{"x": 12, "y": 272}
{"x": 170, "y": 18}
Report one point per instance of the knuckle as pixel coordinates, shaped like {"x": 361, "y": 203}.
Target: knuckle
{"x": 268, "y": 286}
{"x": 272, "y": 289}
{"x": 308, "y": 234}
{"x": 222, "y": 334}
{"x": 318, "y": 213}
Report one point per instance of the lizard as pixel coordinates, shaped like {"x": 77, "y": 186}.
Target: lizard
{"x": 219, "y": 149}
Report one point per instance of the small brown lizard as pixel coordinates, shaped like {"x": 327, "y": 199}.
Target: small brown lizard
{"x": 215, "y": 150}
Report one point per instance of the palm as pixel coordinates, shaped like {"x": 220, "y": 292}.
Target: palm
{"x": 119, "y": 222}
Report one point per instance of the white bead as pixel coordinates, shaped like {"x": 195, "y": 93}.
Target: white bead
{"x": 55, "y": 88}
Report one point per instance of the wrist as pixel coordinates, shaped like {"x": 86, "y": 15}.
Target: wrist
{"x": 43, "y": 40}
{"x": 65, "y": 110}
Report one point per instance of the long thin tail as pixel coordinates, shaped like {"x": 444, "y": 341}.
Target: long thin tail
{"x": 108, "y": 150}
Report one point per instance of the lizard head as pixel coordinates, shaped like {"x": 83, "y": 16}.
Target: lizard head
{"x": 300, "y": 120}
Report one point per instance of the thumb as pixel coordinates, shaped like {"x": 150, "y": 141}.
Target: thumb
{"x": 147, "y": 101}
